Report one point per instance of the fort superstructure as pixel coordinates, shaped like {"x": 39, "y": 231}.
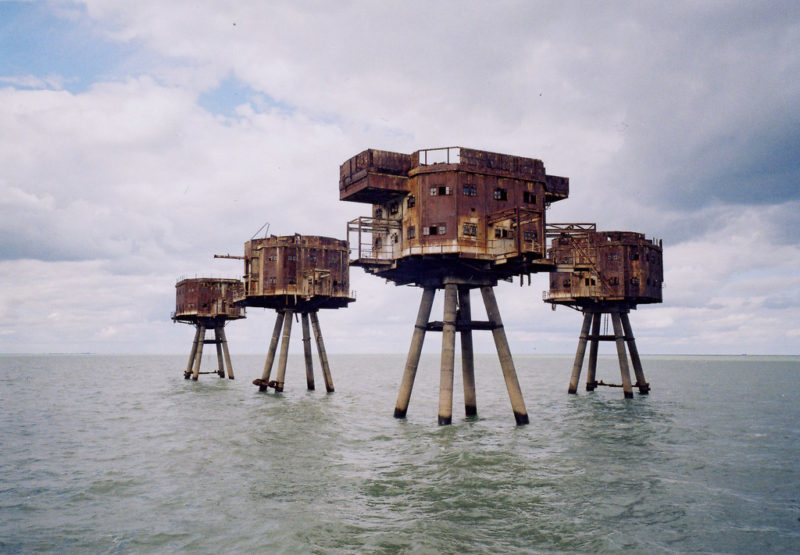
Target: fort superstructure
{"x": 295, "y": 274}
{"x": 605, "y": 273}
{"x": 208, "y": 304}
{"x": 455, "y": 219}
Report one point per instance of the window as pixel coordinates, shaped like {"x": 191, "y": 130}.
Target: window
{"x": 634, "y": 281}
{"x": 529, "y": 197}
{"x": 292, "y": 281}
{"x": 440, "y": 190}
{"x": 394, "y": 208}
{"x": 613, "y": 257}
{"x": 411, "y": 201}
{"x": 273, "y": 281}
{"x": 412, "y": 232}
{"x": 378, "y": 213}
{"x": 614, "y": 281}
{"x": 439, "y": 229}
{"x": 273, "y": 257}
{"x": 500, "y": 194}
{"x": 565, "y": 283}
{"x": 395, "y": 238}
{"x": 634, "y": 256}
{"x": 291, "y": 258}
{"x": 503, "y": 233}
{"x": 588, "y": 281}
{"x": 469, "y": 191}
{"x": 470, "y": 230}
{"x": 530, "y": 235}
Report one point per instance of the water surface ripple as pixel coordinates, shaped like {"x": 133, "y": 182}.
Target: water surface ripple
{"x": 120, "y": 454}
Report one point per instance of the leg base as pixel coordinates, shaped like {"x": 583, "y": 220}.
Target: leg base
{"x": 470, "y": 410}
{"x": 521, "y": 418}
{"x": 399, "y": 413}
{"x": 445, "y": 420}
{"x": 572, "y": 390}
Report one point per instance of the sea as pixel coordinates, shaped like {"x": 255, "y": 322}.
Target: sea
{"x": 120, "y": 454}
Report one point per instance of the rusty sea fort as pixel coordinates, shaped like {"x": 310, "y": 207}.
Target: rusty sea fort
{"x": 120, "y": 454}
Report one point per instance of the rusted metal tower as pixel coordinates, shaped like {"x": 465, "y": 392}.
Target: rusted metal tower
{"x": 295, "y": 274}
{"x": 208, "y": 304}
{"x": 604, "y": 272}
{"x": 455, "y": 219}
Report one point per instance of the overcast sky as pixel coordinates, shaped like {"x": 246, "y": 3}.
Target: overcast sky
{"x": 140, "y": 138}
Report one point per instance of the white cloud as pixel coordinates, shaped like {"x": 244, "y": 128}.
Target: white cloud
{"x": 109, "y": 194}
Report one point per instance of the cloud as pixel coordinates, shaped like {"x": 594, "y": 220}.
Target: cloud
{"x": 201, "y": 121}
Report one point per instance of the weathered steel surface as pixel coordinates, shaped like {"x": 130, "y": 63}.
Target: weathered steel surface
{"x": 297, "y": 272}
{"x": 604, "y": 267}
{"x": 202, "y": 299}
{"x": 446, "y": 212}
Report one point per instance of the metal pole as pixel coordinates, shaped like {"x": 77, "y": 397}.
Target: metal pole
{"x": 591, "y": 375}
{"x": 307, "y": 352}
{"x": 323, "y": 355}
{"x": 226, "y": 353}
{"x": 619, "y": 338}
{"x": 448, "y": 355}
{"x": 641, "y": 382}
{"x": 188, "y": 372}
{"x": 504, "y": 353}
{"x": 467, "y": 357}
{"x": 218, "y": 345}
{"x": 412, "y": 362}
{"x": 580, "y": 353}
{"x": 284, "y": 356}
{"x": 199, "y": 356}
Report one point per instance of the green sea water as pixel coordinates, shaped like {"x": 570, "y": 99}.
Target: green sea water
{"x": 121, "y": 454}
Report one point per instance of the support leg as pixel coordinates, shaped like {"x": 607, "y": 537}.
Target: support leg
{"x": 226, "y": 353}
{"x": 188, "y": 372}
{"x": 504, "y": 353}
{"x": 591, "y": 376}
{"x": 448, "y": 355}
{"x": 580, "y": 353}
{"x": 284, "y": 357}
{"x": 307, "y": 352}
{"x": 273, "y": 347}
{"x": 220, "y": 362}
{"x": 622, "y": 355}
{"x": 199, "y": 353}
{"x": 323, "y": 356}
{"x": 412, "y": 362}
{"x": 641, "y": 382}
{"x": 467, "y": 358}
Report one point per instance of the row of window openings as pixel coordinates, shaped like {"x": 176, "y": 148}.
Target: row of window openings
{"x": 293, "y": 258}
{"x": 611, "y": 281}
{"x": 470, "y": 230}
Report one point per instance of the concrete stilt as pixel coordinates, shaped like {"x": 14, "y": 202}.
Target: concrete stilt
{"x": 580, "y": 353}
{"x": 284, "y": 356}
{"x": 323, "y": 355}
{"x": 218, "y": 345}
{"x": 199, "y": 353}
{"x": 273, "y": 347}
{"x": 467, "y": 358}
{"x": 307, "y": 352}
{"x": 225, "y": 352}
{"x": 591, "y": 373}
{"x": 504, "y": 353}
{"x": 412, "y": 362}
{"x": 448, "y": 355}
{"x": 188, "y": 372}
{"x": 619, "y": 338}
{"x": 641, "y": 382}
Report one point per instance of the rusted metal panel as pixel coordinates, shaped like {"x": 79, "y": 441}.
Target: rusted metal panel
{"x": 296, "y": 271}
{"x": 483, "y": 210}
{"x": 207, "y": 298}
{"x": 605, "y": 267}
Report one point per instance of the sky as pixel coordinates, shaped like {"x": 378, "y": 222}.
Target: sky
{"x": 141, "y": 138}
